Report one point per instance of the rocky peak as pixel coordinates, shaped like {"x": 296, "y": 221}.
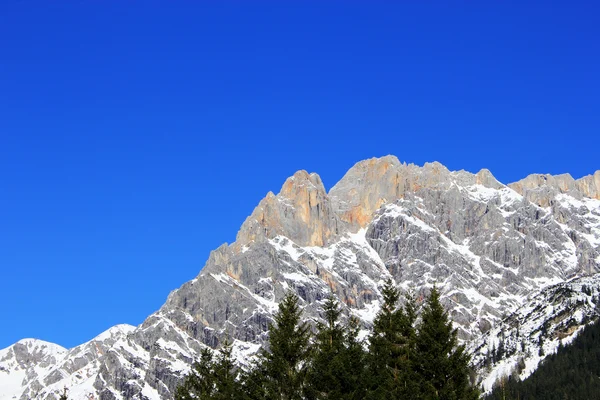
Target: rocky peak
{"x": 366, "y": 186}
{"x": 485, "y": 178}
{"x": 590, "y": 185}
{"x": 301, "y": 212}
{"x": 27, "y": 352}
{"x": 372, "y": 183}
{"x": 541, "y": 189}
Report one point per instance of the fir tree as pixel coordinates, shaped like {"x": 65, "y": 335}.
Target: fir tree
{"x": 199, "y": 383}
{"x": 64, "y": 396}
{"x": 387, "y": 347}
{"x": 254, "y": 382}
{"x": 443, "y": 365}
{"x": 354, "y": 358}
{"x": 284, "y": 366}
{"x": 407, "y": 383}
{"x": 211, "y": 377}
{"x": 226, "y": 384}
{"x": 338, "y": 359}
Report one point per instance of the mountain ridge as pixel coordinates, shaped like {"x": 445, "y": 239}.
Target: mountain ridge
{"x": 486, "y": 245}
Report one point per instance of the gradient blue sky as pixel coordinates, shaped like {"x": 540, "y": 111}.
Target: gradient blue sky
{"x": 137, "y": 136}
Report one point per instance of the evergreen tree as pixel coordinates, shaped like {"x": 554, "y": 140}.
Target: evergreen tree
{"x": 442, "y": 364}
{"x": 254, "y": 382}
{"x": 211, "y": 378}
{"x": 407, "y": 383}
{"x": 389, "y": 365}
{"x": 199, "y": 383}
{"x": 284, "y": 366}
{"x": 354, "y": 359}
{"x": 225, "y": 373}
{"x": 64, "y": 396}
{"x": 571, "y": 373}
{"x": 338, "y": 359}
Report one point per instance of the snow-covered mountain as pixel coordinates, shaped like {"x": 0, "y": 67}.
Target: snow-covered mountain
{"x": 503, "y": 257}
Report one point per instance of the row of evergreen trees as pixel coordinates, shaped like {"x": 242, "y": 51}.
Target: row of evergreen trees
{"x": 403, "y": 359}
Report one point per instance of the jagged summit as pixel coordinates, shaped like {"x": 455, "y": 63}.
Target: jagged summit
{"x": 542, "y": 188}
{"x": 490, "y": 248}
{"x": 372, "y": 183}
{"x": 301, "y": 211}
{"x": 33, "y": 343}
{"x": 115, "y": 332}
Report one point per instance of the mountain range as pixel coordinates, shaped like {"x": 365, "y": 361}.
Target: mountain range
{"x": 517, "y": 266}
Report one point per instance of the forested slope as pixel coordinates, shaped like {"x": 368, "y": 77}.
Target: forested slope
{"x": 572, "y": 373}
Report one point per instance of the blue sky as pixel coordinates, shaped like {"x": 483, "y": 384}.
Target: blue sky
{"x": 137, "y": 136}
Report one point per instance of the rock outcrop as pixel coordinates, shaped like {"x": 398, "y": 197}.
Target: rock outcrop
{"x": 301, "y": 212}
{"x": 541, "y": 189}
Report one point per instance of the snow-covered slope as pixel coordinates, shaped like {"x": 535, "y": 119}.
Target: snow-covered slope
{"x": 24, "y": 359}
{"x": 550, "y": 318}
{"x": 490, "y": 248}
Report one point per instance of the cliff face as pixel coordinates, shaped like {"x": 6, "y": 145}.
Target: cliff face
{"x": 490, "y": 248}
{"x": 301, "y": 212}
{"x": 542, "y": 189}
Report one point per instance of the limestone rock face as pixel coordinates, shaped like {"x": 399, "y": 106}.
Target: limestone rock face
{"x": 366, "y": 187}
{"x": 491, "y": 249}
{"x": 542, "y": 189}
{"x": 301, "y": 211}
{"x": 589, "y": 186}
{"x": 372, "y": 183}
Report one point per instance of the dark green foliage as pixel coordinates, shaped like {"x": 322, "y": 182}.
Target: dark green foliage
{"x": 199, "y": 383}
{"x": 391, "y": 349}
{"x": 285, "y": 365}
{"x": 442, "y": 364}
{"x": 64, "y": 396}
{"x": 337, "y": 365}
{"x": 226, "y": 386}
{"x": 572, "y": 373}
{"x": 211, "y": 378}
{"x": 404, "y": 361}
{"x": 253, "y": 381}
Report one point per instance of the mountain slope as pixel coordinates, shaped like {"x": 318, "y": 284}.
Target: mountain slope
{"x": 489, "y": 247}
{"x": 570, "y": 373}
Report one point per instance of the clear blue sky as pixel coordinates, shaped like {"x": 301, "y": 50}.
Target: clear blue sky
{"x": 137, "y": 136}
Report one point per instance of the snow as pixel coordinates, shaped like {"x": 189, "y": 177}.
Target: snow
{"x": 369, "y": 312}
{"x": 589, "y": 211}
{"x": 115, "y": 331}
{"x": 296, "y": 277}
{"x": 394, "y": 211}
{"x": 507, "y": 196}
{"x": 281, "y": 243}
{"x": 563, "y": 309}
{"x": 150, "y": 392}
{"x": 244, "y": 352}
{"x": 10, "y": 383}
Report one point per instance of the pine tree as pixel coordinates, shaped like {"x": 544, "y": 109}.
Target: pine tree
{"x": 211, "y": 377}
{"x": 443, "y": 365}
{"x": 254, "y": 383}
{"x": 338, "y": 359}
{"x": 285, "y": 365}
{"x": 199, "y": 383}
{"x": 385, "y": 345}
{"x": 354, "y": 358}
{"x": 64, "y": 396}
{"x": 407, "y": 383}
{"x": 225, "y": 373}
